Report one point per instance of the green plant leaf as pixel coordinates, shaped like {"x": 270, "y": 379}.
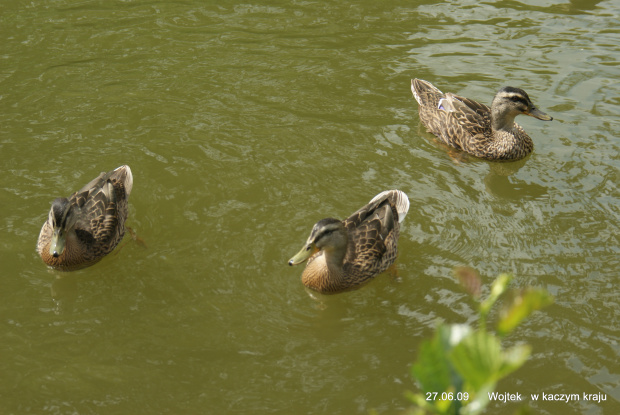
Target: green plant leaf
{"x": 524, "y": 303}
{"x": 433, "y": 368}
{"x": 477, "y": 358}
{"x": 421, "y": 403}
{"x": 480, "y": 360}
{"x": 480, "y": 401}
{"x": 499, "y": 287}
{"x": 461, "y": 359}
{"x": 513, "y": 358}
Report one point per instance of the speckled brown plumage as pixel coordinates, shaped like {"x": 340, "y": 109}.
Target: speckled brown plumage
{"x": 92, "y": 221}
{"x": 344, "y": 255}
{"x": 474, "y": 128}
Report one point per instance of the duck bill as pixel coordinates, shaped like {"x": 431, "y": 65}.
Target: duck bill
{"x": 536, "y": 113}
{"x": 306, "y": 252}
{"x": 57, "y": 246}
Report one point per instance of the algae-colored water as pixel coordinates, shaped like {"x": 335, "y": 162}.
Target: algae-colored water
{"x": 244, "y": 124}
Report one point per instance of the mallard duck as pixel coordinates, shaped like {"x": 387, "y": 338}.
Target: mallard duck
{"x": 343, "y": 255}
{"x": 82, "y": 229}
{"x": 467, "y": 125}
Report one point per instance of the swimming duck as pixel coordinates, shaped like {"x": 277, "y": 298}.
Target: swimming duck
{"x": 82, "y": 229}
{"x": 343, "y": 255}
{"x": 467, "y": 125}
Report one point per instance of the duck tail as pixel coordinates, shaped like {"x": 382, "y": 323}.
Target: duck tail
{"x": 124, "y": 175}
{"x": 422, "y": 89}
{"x": 398, "y": 199}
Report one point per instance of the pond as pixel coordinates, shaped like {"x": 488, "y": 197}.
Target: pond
{"x": 244, "y": 123}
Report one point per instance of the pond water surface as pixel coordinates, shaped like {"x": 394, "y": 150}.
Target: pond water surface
{"x": 244, "y": 124}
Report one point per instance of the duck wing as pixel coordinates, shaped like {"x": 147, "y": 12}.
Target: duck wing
{"x": 97, "y": 213}
{"x": 371, "y": 226}
{"x": 473, "y": 116}
{"x": 101, "y": 207}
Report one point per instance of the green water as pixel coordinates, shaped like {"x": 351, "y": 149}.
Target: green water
{"x": 244, "y": 124}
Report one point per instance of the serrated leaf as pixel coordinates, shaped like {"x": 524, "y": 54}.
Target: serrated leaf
{"x": 524, "y": 303}
{"x": 480, "y": 361}
{"x": 477, "y": 359}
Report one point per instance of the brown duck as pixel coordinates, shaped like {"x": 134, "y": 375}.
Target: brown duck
{"x": 467, "y": 125}
{"x": 82, "y": 229}
{"x": 344, "y": 255}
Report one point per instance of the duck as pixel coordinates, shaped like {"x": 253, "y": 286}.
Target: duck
{"x": 474, "y": 128}
{"x": 82, "y": 229}
{"x": 345, "y": 254}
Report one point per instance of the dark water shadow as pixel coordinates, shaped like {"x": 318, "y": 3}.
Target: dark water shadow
{"x": 499, "y": 183}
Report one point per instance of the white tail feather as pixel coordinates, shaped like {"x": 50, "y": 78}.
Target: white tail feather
{"x": 426, "y": 85}
{"x": 128, "y": 180}
{"x": 399, "y": 199}
{"x": 415, "y": 94}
